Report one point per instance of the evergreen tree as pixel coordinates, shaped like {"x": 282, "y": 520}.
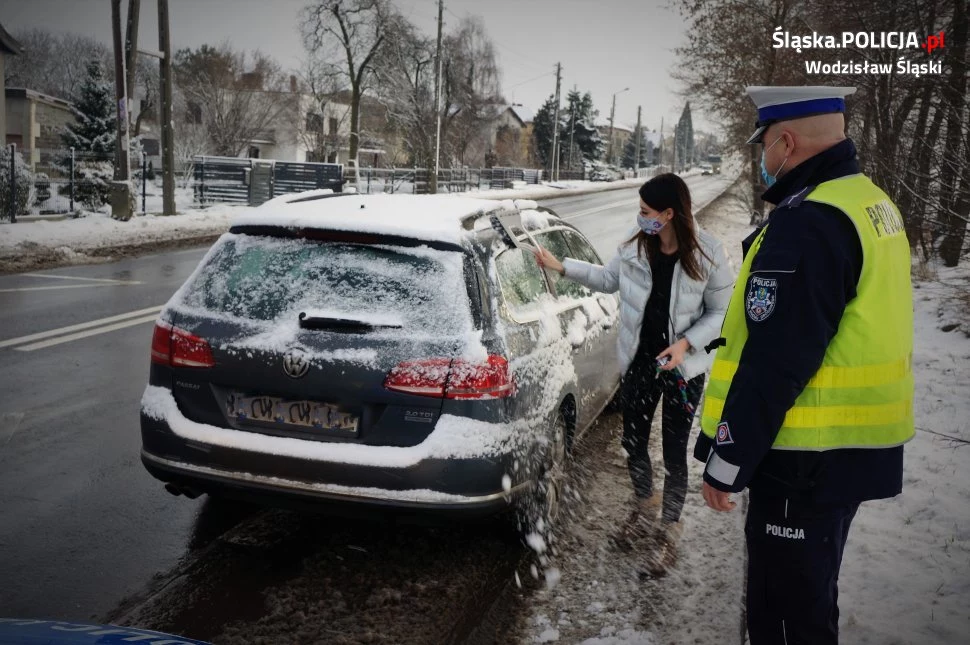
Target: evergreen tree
{"x": 575, "y": 120}
{"x": 630, "y": 151}
{"x": 542, "y": 129}
{"x": 94, "y": 131}
{"x": 579, "y": 116}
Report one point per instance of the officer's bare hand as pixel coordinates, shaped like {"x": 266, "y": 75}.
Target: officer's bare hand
{"x": 547, "y": 260}
{"x": 716, "y": 499}
{"x": 676, "y": 353}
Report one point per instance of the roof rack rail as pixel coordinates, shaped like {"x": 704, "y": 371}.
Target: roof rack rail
{"x": 311, "y": 198}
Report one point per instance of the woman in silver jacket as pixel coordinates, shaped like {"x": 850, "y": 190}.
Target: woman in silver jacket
{"x": 675, "y": 283}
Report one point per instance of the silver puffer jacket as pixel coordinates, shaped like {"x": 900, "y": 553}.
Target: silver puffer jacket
{"x": 697, "y": 307}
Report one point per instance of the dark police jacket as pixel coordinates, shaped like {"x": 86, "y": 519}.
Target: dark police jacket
{"x": 816, "y": 250}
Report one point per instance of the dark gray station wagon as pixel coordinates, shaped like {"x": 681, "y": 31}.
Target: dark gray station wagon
{"x": 399, "y": 351}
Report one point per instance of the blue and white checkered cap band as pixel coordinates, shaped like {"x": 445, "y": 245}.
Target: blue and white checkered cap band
{"x": 794, "y": 110}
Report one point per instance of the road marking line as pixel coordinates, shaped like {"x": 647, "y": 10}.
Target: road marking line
{"x": 74, "y": 277}
{"x": 604, "y": 207}
{"x": 84, "y": 334}
{"x": 60, "y": 286}
{"x": 86, "y": 325}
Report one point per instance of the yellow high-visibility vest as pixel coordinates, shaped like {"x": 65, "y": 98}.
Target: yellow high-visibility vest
{"x": 862, "y": 395}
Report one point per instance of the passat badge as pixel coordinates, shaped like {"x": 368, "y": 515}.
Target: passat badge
{"x": 761, "y": 298}
{"x": 724, "y": 434}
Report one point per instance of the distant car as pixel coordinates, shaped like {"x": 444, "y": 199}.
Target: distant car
{"x": 18, "y": 631}
{"x": 706, "y": 169}
{"x": 388, "y": 350}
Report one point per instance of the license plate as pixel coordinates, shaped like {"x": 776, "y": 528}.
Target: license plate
{"x": 283, "y": 413}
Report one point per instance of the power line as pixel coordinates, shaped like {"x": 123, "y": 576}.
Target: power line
{"x": 512, "y": 87}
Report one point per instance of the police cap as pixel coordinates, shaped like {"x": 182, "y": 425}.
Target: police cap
{"x": 784, "y": 103}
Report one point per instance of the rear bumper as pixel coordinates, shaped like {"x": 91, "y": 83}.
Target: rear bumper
{"x": 465, "y": 485}
{"x": 250, "y": 486}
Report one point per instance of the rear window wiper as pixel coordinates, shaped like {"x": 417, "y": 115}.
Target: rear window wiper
{"x": 341, "y": 324}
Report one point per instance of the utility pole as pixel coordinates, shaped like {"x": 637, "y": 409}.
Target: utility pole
{"x": 572, "y": 132}
{"x": 120, "y": 195}
{"x": 553, "y": 159}
{"x": 661, "y": 142}
{"x": 165, "y": 99}
{"x": 121, "y": 96}
{"x": 433, "y": 188}
{"x": 636, "y": 155}
{"x": 131, "y": 46}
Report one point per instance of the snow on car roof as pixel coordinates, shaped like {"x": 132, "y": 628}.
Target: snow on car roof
{"x": 425, "y": 217}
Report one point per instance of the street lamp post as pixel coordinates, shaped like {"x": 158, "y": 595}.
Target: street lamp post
{"x": 609, "y": 153}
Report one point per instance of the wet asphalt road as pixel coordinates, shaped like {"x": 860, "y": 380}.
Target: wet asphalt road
{"x": 82, "y": 525}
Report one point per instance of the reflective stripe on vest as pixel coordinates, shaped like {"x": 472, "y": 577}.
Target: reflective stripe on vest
{"x": 862, "y": 395}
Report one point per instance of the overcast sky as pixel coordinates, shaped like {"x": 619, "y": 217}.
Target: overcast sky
{"x": 603, "y": 45}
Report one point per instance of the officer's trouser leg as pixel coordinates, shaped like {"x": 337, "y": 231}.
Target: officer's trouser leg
{"x": 794, "y": 556}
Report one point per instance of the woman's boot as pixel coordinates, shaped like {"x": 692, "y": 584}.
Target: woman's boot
{"x": 663, "y": 557}
{"x": 641, "y": 523}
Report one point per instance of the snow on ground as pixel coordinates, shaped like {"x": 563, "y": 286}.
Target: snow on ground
{"x": 72, "y": 238}
{"x": 906, "y": 573}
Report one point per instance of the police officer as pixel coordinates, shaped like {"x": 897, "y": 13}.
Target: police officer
{"x": 810, "y": 398}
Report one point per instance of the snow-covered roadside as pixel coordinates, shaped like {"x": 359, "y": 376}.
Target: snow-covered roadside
{"x": 75, "y": 241}
{"x": 906, "y": 574}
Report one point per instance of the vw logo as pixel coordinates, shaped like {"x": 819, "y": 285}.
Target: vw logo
{"x": 295, "y": 363}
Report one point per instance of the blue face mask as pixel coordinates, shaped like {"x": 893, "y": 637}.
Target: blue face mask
{"x": 649, "y": 225}
{"x": 769, "y": 178}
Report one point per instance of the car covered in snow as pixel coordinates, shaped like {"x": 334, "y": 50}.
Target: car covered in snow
{"x": 392, "y": 350}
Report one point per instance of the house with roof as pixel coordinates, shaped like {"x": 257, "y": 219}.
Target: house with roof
{"x": 511, "y": 140}
{"x": 35, "y": 121}
{"x": 613, "y": 151}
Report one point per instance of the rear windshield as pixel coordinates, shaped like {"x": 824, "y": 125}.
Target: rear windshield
{"x": 267, "y": 279}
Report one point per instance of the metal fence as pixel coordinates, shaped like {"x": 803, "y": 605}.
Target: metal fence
{"x": 254, "y": 181}
{"x": 62, "y": 181}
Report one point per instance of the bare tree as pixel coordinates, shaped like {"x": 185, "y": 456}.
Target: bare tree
{"x": 238, "y": 97}
{"x": 191, "y": 138}
{"x": 472, "y": 93}
{"x": 352, "y": 31}
{"x": 404, "y": 80}
{"x": 728, "y": 48}
{"x": 54, "y": 64}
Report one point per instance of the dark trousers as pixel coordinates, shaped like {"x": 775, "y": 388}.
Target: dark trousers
{"x": 794, "y": 555}
{"x": 642, "y": 390}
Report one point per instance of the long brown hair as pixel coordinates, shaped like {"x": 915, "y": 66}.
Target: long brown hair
{"x": 669, "y": 191}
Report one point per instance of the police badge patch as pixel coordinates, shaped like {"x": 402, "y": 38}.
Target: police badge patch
{"x": 761, "y": 298}
{"x": 724, "y": 434}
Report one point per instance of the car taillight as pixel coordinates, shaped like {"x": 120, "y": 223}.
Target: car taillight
{"x": 178, "y": 348}
{"x": 453, "y": 379}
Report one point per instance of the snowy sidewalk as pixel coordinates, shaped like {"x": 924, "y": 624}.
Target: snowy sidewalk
{"x": 906, "y": 573}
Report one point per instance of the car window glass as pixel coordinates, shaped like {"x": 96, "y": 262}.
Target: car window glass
{"x": 555, "y": 242}
{"x": 266, "y": 280}
{"x": 520, "y": 278}
{"x": 581, "y": 249}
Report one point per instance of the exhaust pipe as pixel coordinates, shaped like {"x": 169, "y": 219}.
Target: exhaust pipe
{"x": 176, "y": 489}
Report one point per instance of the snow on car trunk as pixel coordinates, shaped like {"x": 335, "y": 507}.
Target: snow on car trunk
{"x": 306, "y": 335}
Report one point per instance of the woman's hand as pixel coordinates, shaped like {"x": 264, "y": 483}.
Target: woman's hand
{"x": 548, "y": 260}
{"x": 676, "y": 353}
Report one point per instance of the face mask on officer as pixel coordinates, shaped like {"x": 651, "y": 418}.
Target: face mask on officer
{"x": 769, "y": 178}
{"x": 650, "y": 225}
